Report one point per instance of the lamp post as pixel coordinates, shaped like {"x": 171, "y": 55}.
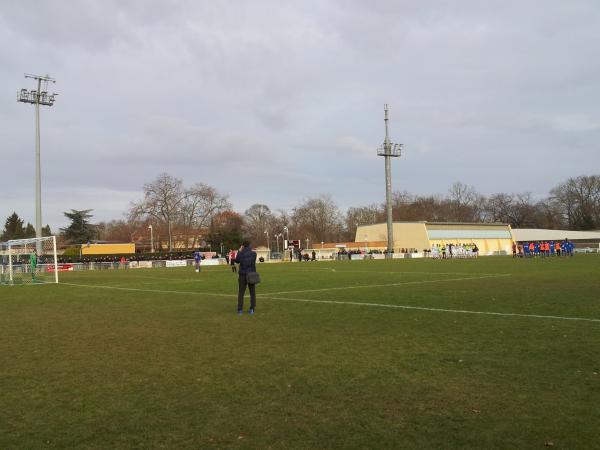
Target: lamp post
{"x": 306, "y": 242}
{"x": 287, "y": 239}
{"x": 37, "y": 97}
{"x": 287, "y": 234}
{"x": 268, "y": 243}
{"x": 277, "y": 236}
{"x": 151, "y": 239}
{"x": 389, "y": 150}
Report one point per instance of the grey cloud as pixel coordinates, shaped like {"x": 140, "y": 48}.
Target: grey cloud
{"x": 292, "y": 95}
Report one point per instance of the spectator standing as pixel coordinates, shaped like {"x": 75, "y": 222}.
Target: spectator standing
{"x": 246, "y": 258}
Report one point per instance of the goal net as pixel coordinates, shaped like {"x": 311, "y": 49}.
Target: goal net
{"x": 28, "y": 261}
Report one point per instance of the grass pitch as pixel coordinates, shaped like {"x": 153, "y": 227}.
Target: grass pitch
{"x": 488, "y": 353}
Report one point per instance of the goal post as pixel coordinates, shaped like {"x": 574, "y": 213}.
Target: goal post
{"x": 29, "y": 261}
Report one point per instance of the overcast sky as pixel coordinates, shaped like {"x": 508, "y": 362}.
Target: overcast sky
{"x": 276, "y": 101}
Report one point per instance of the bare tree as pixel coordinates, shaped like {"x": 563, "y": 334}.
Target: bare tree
{"x": 258, "y": 219}
{"x": 578, "y": 199}
{"x": 162, "y": 201}
{"x": 518, "y": 210}
{"x": 318, "y": 219}
{"x": 362, "y": 215}
{"x": 167, "y": 202}
{"x": 463, "y": 203}
{"x": 199, "y": 205}
{"x": 117, "y": 230}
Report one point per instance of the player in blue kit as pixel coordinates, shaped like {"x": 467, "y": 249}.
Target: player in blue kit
{"x": 197, "y": 259}
{"x": 569, "y": 247}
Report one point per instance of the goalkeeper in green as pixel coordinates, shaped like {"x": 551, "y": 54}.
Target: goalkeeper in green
{"x": 33, "y": 262}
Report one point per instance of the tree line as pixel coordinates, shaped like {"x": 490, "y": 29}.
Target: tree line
{"x": 187, "y": 217}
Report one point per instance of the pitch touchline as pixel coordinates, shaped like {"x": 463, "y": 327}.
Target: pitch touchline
{"x": 333, "y": 302}
{"x": 363, "y": 286}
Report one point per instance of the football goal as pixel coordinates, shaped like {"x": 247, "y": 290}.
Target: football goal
{"x": 28, "y": 261}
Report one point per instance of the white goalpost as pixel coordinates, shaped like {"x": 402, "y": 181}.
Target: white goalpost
{"x": 28, "y": 261}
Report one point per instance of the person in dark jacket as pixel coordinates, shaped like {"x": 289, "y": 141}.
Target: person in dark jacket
{"x": 246, "y": 258}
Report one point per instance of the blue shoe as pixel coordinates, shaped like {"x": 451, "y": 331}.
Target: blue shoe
{"x": 250, "y": 311}
{"x": 240, "y": 312}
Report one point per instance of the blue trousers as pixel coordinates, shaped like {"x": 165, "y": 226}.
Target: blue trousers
{"x": 242, "y": 283}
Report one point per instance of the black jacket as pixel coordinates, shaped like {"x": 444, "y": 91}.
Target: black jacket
{"x": 246, "y": 258}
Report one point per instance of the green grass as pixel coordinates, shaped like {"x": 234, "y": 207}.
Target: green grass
{"x": 168, "y": 364}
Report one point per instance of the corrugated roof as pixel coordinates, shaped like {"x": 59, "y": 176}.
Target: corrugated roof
{"x": 540, "y": 234}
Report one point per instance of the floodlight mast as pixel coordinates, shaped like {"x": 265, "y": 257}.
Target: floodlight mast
{"x": 389, "y": 150}
{"x": 37, "y": 98}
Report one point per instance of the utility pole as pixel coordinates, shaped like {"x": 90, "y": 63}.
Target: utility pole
{"x": 37, "y": 97}
{"x": 389, "y": 150}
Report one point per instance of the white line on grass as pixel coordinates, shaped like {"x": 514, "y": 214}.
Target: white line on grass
{"x": 423, "y": 308}
{"x": 402, "y": 283}
{"x": 334, "y": 302}
{"x": 399, "y": 272}
{"x": 156, "y": 291}
{"x": 165, "y": 279}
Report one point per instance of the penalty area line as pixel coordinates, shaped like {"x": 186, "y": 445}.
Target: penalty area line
{"x": 335, "y": 302}
{"x": 424, "y": 308}
{"x": 402, "y": 283}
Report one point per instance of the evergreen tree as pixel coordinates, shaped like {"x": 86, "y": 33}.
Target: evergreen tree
{"x": 13, "y": 228}
{"x": 29, "y": 231}
{"x": 46, "y": 231}
{"x": 80, "y": 230}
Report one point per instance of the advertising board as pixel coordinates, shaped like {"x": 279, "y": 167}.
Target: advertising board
{"x": 176, "y": 263}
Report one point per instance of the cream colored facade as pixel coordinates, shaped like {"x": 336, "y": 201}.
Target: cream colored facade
{"x": 107, "y": 249}
{"x": 491, "y": 239}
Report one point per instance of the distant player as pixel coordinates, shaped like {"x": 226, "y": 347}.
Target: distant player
{"x": 569, "y": 247}
{"x": 197, "y": 259}
{"x": 232, "y": 255}
{"x": 33, "y": 262}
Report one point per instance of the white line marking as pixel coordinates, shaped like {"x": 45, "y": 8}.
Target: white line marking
{"x": 366, "y": 286}
{"x": 399, "y": 272}
{"x": 166, "y": 280}
{"x": 156, "y": 291}
{"x": 333, "y": 302}
{"x": 423, "y": 308}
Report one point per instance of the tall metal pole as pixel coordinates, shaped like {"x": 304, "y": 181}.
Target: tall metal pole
{"x": 388, "y": 150}
{"x": 38, "y": 172}
{"x": 37, "y": 97}
{"x": 388, "y": 189}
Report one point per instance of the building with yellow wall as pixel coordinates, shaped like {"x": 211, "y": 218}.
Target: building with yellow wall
{"x": 107, "y": 249}
{"x": 491, "y": 239}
